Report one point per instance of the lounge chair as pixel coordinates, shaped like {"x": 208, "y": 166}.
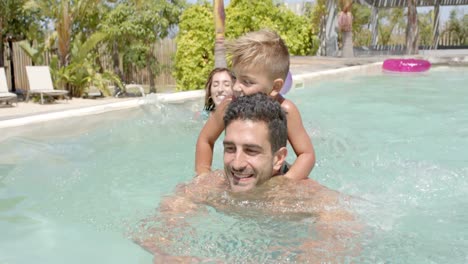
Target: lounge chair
{"x": 93, "y": 92}
{"x": 5, "y": 95}
{"x": 137, "y": 87}
{"x": 40, "y": 82}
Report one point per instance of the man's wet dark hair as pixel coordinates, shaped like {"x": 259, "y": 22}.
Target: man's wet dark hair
{"x": 260, "y": 108}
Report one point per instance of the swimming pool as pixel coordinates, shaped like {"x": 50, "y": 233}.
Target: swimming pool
{"x": 72, "y": 194}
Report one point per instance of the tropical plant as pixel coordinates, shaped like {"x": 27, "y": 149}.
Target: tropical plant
{"x": 317, "y": 15}
{"x": 390, "y": 24}
{"x": 82, "y": 72}
{"x": 64, "y": 14}
{"x": 37, "y": 52}
{"x": 361, "y": 18}
{"x": 133, "y": 27}
{"x": 425, "y": 26}
{"x": 457, "y": 26}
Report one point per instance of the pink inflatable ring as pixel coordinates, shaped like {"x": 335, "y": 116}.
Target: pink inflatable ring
{"x": 406, "y": 65}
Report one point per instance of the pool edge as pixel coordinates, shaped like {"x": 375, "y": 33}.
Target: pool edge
{"x": 99, "y": 109}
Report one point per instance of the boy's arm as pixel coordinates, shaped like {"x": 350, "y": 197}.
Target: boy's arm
{"x": 300, "y": 142}
{"x": 208, "y": 135}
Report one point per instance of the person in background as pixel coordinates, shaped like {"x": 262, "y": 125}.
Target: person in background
{"x": 217, "y": 88}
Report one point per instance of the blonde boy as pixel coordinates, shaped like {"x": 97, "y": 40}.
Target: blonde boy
{"x": 260, "y": 62}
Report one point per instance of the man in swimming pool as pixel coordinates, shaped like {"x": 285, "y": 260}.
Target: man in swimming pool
{"x": 254, "y": 152}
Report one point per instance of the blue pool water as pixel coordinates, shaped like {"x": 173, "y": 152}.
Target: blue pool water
{"x": 69, "y": 194}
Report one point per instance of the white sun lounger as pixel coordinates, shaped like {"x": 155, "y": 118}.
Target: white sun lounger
{"x": 138, "y": 87}
{"x": 40, "y": 82}
{"x": 5, "y": 95}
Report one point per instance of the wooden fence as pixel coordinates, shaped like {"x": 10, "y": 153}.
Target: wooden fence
{"x": 15, "y": 58}
{"x": 450, "y": 39}
{"x": 15, "y": 61}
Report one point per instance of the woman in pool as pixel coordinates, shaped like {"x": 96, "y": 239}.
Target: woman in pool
{"x": 217, "y": 88}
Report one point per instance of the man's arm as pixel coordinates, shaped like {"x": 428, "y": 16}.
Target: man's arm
{"x": 300, "y": 142}
{"x": 208, "y": 135}
{"x": 158, "y": 233}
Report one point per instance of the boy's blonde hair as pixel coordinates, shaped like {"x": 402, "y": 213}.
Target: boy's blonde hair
{"x": 263, "y": 48}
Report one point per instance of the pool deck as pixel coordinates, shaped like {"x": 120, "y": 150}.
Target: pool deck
{"x": 303, "y": 69}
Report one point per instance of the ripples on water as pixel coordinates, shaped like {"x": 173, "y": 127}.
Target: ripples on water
{"x": 401, "y": 147}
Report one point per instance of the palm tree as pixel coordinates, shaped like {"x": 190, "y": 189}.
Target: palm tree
{"x": 63, "y": 13}
{"x": 345, "y": 23}
{"x": 219, "y": 50}
{"x": 412, "y": 29}
{"x": 395, "y": 20}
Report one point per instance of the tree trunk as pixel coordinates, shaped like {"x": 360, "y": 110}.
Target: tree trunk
{"x": 329, "y": 36}
{"x": 348, "y": 51}
{"x": 219, "y": 50}
{"x": 345, "y": 23}
{"x": 2, "y": 46}
{"x": 63, "y": 28}
{"x": 435, "y": 25}
{"x": 151, "y": 76}
{"x": 412, "y": 29}
{"x": 374, "y": 25}
{"x": 2, "y": 62}
{"x": 116, "y": 62}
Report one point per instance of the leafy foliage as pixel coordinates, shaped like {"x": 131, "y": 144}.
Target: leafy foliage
{"x": 425, "y": 28}
{"x": 457, "y": 26}
{"x": 77, "y": 35}
{"x": 244, "y": 16}
{"x": 195, "y": 44}
{"x": 361, "y": 18}
{"x": 391, "y": 22}
{"x": 133, "y": 28}
{"x": 17, "y": 23}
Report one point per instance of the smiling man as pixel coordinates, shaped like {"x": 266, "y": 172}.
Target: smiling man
{"x": 255, "y": 142}
{"x": 251, "y": 184}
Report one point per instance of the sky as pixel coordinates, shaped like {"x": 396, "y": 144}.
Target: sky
{"x": 444, "y": 10}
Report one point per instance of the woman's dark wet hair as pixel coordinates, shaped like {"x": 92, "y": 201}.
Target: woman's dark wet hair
{"x": 209, "y": 103}
{"x": 260, "y": 108}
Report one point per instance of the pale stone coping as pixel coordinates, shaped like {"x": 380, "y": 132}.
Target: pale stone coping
{"x": 21, "y": 121}
{"x": 305, "y": 79}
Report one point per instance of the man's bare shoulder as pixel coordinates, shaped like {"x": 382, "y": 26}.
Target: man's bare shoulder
{"x": 306, "y": 187}
{"x": 204, "y": 184}
{"x": 306, "y": 195}
{"x": 211, "y": 179}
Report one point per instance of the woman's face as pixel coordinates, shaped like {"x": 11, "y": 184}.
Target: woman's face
{"x": 221, "y": 87}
